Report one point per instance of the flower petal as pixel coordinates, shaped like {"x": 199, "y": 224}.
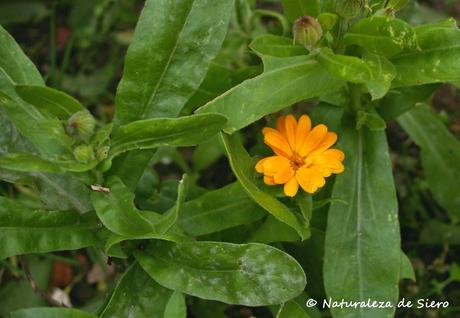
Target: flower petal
{"x": 269, "y": 180}
{"x": 277, "y": 142}
{"x": 309, "y": 179}
{"x": 313, "y": 140}
{"x": 291, "y": 187}
{"x": 336, "y": 153}
{"x": 291, "y": 129}
{"x": 280, "y": 125}
{"x": 260, "y": 165}
{"x": 330, "y": 162}
{"x": 303, "y": 129}
{"x": 284, "y": 175}
{"x": 274, "y": 164}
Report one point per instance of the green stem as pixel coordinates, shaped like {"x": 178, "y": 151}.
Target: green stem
{"x": 355, "y": 97}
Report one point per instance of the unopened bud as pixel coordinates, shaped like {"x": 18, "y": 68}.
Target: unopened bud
{"x": 307, "y": 31}
{"x": 81, "y": 124}
{"x": 83, "y": 153}
{"x": 102, "y": 153}
{"x": 349, "y": 8}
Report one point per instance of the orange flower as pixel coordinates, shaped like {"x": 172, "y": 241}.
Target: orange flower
{"x": 303, "y": 155}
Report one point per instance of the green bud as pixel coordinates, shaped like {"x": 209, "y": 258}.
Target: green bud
{"x": 81, "y": 124}
{"x": 106, "y": 165}
{"x": 307, "y": 31}
{"x": 397, "y": 4}
{"x": 83, "y": 153}
{"x": 349, "y": 8}
{"x": 102, "y": 153}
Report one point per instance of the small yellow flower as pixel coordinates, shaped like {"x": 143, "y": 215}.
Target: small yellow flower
{"x": 303, "y": 155}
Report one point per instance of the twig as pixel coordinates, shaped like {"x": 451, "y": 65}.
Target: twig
{"x": 35, "y": 287}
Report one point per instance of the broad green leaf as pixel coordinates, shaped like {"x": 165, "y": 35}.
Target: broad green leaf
{"x": 15, "y": 63}
{"x": 440, "y": 155}
{"x": 272, "y": 231}
{"x": 117, "y": 212}
{"x": 63, "y": 192}
{"x": 45, "y": 312}
{"x": 176, "y": 307}
{"x": 273, "y": 45}
{"x": 243, "y": 168}
{"x": 397, "y": 102}
{"x": 31, "y": 163}
{"x": 138, "y": 295}
{"x": 362, "y": 238}
{"x": 407, "y": 270}
{"x": 382, "y": 35}
{"x": 207, "y": 153}
{"x": 49, "y": 100}
{"x": 436, "y": 60}
{"x": 23, "y": 230}
{"x": 46, "y": 134}
{"x": 294, "y": 9}
{"x": 349, "y": 68}
{"x": 297, "y": 80}
{"x": 382, "y": 74}
{"x": 170, "y": 218}
{"x": 290, "y": 310}
{"x": 179, "y": 38}
{"x": 155, "y": 132}
{"x": 371, "y": 119}
{"x": 248, "y": 274}
{"x": 218, "y": 210}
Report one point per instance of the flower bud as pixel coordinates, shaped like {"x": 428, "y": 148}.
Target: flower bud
{"x": 102, "y": 153}
{"x": 83, "y": 153}
{"x": 307, "y": 31}
{"x": 349, "y": 8}
{"x": 81, "y": 124}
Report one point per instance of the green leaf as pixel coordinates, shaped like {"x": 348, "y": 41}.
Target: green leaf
{"x": 290, "y": 310}
{"x": 46, "y": 134}
{"x": 170, "y": 218}
{"x": 176, "y": 307}
{"x": 31, "y": 163}
{"x": 152, "y": 133}
{"x": 15, "y": 63}
{"x": 273, "y": 45}
{"x": 117, "y": 212}
{"x": 35, "y": 231}
{"x": 436, "y": 60}
{"x": 362, "y": 238}
{"x": 440, "y": 155}
{"x": 298, "y": 79}
{"x": 407, "y": 270}
{"x": 272, "y": 231}
{"x": 45, "y": 312}
{"x": 243, "y": 168}
{"x": 137, "y": 295}
{"x": 382, "y": 35}
{"x": 179, "y": 38}
{"x": 370, "y": 119}
{"x": 294, "y": 9}
{"x": 397, "y": 102}
{"x": 349, "y": 68}
{"x": 218, "y": 210}
{"x": 248, "y": 274}
{"x": 382, "y": 73}
{"x": 49, "y": 100}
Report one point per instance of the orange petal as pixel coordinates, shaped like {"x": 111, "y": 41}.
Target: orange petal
{"x": 313, "y": 140}
{"x": 291, "y": 129}
{"x": 269, "y": 180}
{"x": 284, "y": 175}
{"x": 324, "y": 171}
{"x": 330, "y": 162}
{"x": 274, "y": 164}
{"x": 260, "y": 165}
{"x": 303, "y": 129}
{"x": 291, "y": 187}
{"x": 277, "y": 142}
{"x": 309, "y": 179}
{"x": 336, "y": 153}
{"x": 280, "y": 125}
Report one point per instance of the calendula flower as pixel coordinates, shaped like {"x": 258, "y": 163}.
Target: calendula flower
{"x": 303, "y": 155}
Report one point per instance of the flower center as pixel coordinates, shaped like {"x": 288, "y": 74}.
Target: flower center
{"x": 296, "y": 161}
